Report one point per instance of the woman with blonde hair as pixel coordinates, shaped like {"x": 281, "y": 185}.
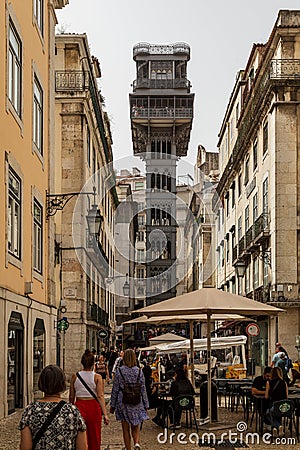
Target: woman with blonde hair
{"x": 129, "y": 399}
{"x": 87, "y": 387}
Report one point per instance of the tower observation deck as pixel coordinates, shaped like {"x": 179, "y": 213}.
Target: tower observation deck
{"x": 161, "y": 113}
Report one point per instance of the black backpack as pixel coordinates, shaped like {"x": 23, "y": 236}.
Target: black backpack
{"x": 132, "y": 392}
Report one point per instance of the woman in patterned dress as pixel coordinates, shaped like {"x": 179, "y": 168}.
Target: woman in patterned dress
{"x": 66, "y": 431}
{"x": 131, "y": 416}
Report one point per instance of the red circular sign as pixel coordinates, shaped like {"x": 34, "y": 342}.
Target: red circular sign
{"x": 252, "y": 329}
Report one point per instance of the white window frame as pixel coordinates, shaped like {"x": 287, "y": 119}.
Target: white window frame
{"x": 14, "y": 68}
{"x": 14, "y": 215}
{"x": 37, "y": 238}
{"x": 38, "y": 11}
{"x": 38, "y": 113}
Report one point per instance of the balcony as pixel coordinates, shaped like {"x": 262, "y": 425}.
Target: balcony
{"x": 71, "y": 80}
{"x": 261, "y": 229}
{"x": 146, "y": 83}
{"x": 144, "y": 48}
{"x": 97, "y": 314}
{"x": 161, "y": 113}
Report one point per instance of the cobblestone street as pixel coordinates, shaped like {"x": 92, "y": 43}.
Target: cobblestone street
{"x": 112, "y": 435}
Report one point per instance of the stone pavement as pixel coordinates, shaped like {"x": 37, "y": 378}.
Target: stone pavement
{"x": 151, "y": 436}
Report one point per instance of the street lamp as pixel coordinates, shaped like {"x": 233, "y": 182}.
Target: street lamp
{"x": 94, "y": 220}
{"x": 126, "y": 286}
{"x": 240, "y": 268}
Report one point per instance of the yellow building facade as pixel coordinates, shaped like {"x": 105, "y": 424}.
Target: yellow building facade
{"x": 27, "y": 309}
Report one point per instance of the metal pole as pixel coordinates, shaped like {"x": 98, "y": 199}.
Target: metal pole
{"x": 209, "y": 366}
{"x": 191, "y": 322}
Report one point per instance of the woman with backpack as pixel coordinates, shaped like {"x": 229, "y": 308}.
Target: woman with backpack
{"x": 129, "y": 399}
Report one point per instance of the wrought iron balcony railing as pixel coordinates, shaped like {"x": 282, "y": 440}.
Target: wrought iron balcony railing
{"x": 261, "y": 226}
{"x": 171, "y": 49}
{"x": 146, "y": 83}
{"x": 71, "y": 80}
{"x": 151, "y": 113}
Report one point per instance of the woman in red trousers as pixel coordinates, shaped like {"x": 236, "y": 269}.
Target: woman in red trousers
{"x": 88, "y": 389}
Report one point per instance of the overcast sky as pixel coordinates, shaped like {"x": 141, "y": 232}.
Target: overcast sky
{"x": 220, "y": 33}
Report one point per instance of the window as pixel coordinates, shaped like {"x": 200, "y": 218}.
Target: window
{"x": 246, "y": 170}
{"x": 88, "y": 146}
{"x": 239, "y": 227}
{"x": 14, "y": 214}
{"x": 139, "y": 185}
{"x": 38, "y": 116}
{"x": 255, "y": 208}
{"x": 14, "y": 69}
{"x": 38, "y": 6}
{"x": 141, "y": 219}
{"x": 140, "y": 273}
{"x": 140, "y": 236}
{"x": 265, "y": 138}
{"x": 247, "y": 279}
{"x": 255, "y": 273}
{"x": 233, "y": 195}
{"x": 37, "y": 244}
{"x": 140, "y": 255}
{"x": 265, "y": 197}
{"x": 38, "y": 351}
{"x": 247, "y": 221}
{"x": 237, "y": 114}
{"x": 255, "y": 155}
{"x": 239, "y": 184}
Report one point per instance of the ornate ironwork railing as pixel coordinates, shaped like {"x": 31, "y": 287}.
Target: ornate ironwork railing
{"x": 171, "y": 49}
{"x": 71, "y": 80}
{"x": 146, "y": 83}
{"x": 285, "y": 68}
{"x": 249, "y": 236}
{"x": 241, "y": 245}
{"x": 161, "y": 112}
{"x": 261, "y": 225}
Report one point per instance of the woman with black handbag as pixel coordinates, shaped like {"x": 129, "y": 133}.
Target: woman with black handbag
{"x": 87, "y": 387}
{"x": 129, "y": 399}
{"x": 51, "y": 422}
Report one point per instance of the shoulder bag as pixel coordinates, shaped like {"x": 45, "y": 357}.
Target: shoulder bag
{"x": 87, "y": 386}
{"x": 46, "y": 424}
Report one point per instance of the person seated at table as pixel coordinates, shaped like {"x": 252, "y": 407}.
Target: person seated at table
{"x": 180, "y": 386}
{"x": 276, "y": 390}
{"x": 259, "y": 383}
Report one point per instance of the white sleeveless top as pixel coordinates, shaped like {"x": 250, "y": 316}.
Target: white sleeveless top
{"x": 88, "y": 377}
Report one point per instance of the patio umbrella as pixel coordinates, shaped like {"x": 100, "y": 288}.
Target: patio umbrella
{"x": 182, "y": 319}
{"x": 209, "y": 301}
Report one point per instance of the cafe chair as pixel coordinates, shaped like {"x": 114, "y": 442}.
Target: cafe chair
{"x": 222, "y": 389}
{"x": 184, "y": 403}
{"x": 285, "y": 409}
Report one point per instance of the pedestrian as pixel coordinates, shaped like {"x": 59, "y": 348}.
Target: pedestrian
{"x": 118, "y": 363}
{"x": 51, "y": 422}
{"x": 111, "y": 359}
{"x": 102, "y": 369}
{"x": 87, "y": 387}
{"x": 131, "y": 415}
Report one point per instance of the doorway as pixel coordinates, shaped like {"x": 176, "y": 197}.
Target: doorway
{"x": 15, "y": 360}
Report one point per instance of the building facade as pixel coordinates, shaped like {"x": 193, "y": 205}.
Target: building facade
{"x": 258, "y": 192}
{"x": 83, "y": 165}
{"x": 161, "y": 112}
{"x": 27, "y": 312}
